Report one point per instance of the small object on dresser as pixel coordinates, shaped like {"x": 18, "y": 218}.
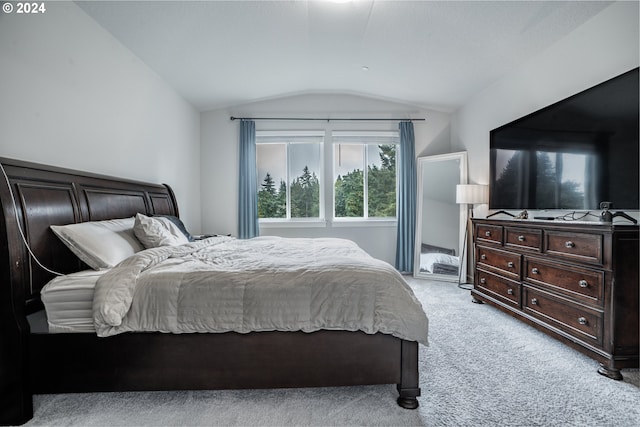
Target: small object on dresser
{"x": 523, "y": 215}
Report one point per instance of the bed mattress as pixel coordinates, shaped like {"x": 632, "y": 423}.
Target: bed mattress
{"x": 269, "y": 283}
{"x": 68, "y": 301}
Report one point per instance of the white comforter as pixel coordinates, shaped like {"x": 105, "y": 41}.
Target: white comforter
{"x": 263, "y": 284}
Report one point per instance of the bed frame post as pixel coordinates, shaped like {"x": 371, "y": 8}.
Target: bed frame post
{"x": 408, "y": 388}
{"x": 16, "y": 402}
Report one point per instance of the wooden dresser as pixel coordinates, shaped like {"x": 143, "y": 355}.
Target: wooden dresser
{"x": 576, "y": 281}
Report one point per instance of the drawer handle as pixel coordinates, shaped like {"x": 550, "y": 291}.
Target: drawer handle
{"x": 583, "y": 284}
{"x": 582, "y": 320}
{"x": 510, "y": 264}
{"x": 534, "y": 270}
{"x": 483, "y": 280}
{"x": 520, "y": 238}
{"x": 510, "y": 291}
{"x": 569, "y": 244}
{"x": 483, "y": 256}
{"x": 534, "y": 301}
{"x": 487, "y": 233}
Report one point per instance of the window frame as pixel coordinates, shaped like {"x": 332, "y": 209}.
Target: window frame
{"x": 328, "y": 139}
{"x": 342, "y": 137}
{"x": 288, "y": 138}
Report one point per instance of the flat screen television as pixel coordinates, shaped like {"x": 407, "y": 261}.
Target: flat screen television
{"x": 571, "y": 155}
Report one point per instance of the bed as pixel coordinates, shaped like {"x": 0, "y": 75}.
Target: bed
{"x": 438, "y": 260}
{"x": 34, "y": 360}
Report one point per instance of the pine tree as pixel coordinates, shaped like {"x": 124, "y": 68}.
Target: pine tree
{"x": 349, "y": 195}
{"x": 267, "y": 198}
{"x": 388, "y": 157}
{"x": 382, "y": 184}
{"x": 381, "y": 188}
{"x": 268, "y": 184}
{"x": 281, "y": 201}
{"x": 305, "y": 195}
{"x": 339, "y": 198}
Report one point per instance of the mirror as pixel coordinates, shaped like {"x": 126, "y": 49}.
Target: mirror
{"x": 440, "y": 221}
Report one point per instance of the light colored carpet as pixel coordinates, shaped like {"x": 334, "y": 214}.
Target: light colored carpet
{"x": 482, "y": 368}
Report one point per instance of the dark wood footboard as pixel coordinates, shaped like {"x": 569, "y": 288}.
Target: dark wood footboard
{"x": 155, "y": 361}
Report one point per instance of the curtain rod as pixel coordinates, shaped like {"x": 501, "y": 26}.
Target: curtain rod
{"x": 325, "y": 120}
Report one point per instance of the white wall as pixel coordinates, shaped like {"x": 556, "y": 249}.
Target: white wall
{"x": 219, "y": 161}
{"x": 602, "y": 48}
{"x": 73, "y": 96}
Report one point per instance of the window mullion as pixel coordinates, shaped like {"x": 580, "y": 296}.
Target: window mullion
{"x": 288, "y": 180}
{"x": 398, "y": 160}
{"x": 365, "y": 182}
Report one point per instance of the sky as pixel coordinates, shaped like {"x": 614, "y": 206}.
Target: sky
{"x": 347, "y": 157}
{"x": 272, "y": 159}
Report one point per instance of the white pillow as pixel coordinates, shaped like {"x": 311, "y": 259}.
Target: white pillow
{"x": 158, "y": 231}
{"x": 100, "y": 244}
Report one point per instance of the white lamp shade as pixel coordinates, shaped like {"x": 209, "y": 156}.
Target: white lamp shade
{"x": 472, "y": 194}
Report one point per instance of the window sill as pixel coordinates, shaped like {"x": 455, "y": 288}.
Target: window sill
{"x": 358, "y": 222}
{"x": 337, "y": 223}
{"x": 293, "y": 224}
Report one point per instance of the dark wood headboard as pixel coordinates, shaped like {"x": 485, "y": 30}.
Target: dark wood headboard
{"x": 45, "y": 196}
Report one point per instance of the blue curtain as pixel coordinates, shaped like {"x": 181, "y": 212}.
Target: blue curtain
{"x": 406, "y": 199}
{"x": 248, "y": 192}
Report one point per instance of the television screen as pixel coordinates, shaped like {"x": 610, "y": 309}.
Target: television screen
{"x": 571, "y": 155}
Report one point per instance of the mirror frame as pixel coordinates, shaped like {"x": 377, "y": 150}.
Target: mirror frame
{"x": 423, "y": 163}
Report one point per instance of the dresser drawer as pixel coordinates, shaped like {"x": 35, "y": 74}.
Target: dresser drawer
{"x": 499, "y": 261}
{"x": 502, "y": 289}
{"x": 491, "y": 234}
{"x": 577, "y": 320}
{"x": 576, "y": 246}
{"x": 530, "y": 239}
{"x": 577, "y": 282}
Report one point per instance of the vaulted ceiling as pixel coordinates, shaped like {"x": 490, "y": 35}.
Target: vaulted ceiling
{"x": 433, "y": 54}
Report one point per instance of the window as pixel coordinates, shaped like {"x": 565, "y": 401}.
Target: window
{"x": 359, "y": 183}
{"x": 365, "y": 175}
{"x": 562, "y": 177}
{"x": 532, "y": 178}
{"x": 289, "y": 175}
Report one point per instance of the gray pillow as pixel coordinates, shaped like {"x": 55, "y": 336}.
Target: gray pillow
{"x": 179, "y": 224}
{"x": 157, "y": 231}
